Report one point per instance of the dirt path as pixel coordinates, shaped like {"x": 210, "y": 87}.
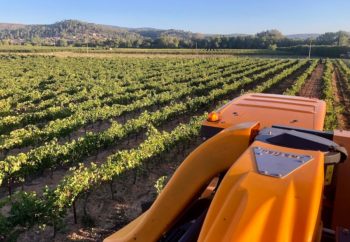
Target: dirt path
{"x": 312, "y": 87}
{"x": 342, "y": 96}
{"x": 283, "y": 85}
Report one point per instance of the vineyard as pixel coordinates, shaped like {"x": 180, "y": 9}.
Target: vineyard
{"x": 86, "y": 143}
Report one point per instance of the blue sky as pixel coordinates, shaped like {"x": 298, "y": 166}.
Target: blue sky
{"x": 219, "y": 16}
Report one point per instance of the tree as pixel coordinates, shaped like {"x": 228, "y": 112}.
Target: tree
{"x": 270, "y": 34}
{"x": 137, "y": 43}
{"x": 328, "y": 38}
{"x": 5, "y": 42}
{"x": 62, "y": 42}
{"x": 272, "y": 47}
{"x": 216, "y": 42}
{"x": 343, "y": 38}
{"x": 36, "y": 40}
{"x": 167, "y": 41}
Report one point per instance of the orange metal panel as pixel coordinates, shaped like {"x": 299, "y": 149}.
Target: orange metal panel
{"x": 271, "y": 109}
{"x": 341, "y": 212}
{"x": 249, "y": 206}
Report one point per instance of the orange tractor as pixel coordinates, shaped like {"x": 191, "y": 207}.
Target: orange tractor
{"x": 266, "y": 172}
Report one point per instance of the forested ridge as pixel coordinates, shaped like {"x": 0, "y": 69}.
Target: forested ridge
{"x": 78, "y": 33}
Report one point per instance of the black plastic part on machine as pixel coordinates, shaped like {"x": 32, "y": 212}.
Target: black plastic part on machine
{"x": 324, "y": 134}
{"x": 188, "y": 227}
{"x": 209, "y": 131}
{"x": 305, "y": 140}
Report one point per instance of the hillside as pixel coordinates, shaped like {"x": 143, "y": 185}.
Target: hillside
{"x": 303, "y": 36}
{"x": 70, "y": 30}
{"x": 10, "y": 26}
{"x": 78, "y": 30}
{"x": 78, "y": 33}
{"x": 75, "y": 31}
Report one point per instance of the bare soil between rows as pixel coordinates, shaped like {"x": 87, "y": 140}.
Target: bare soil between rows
{"x": 280, "y": 87}
{"x": 312, "y": 88}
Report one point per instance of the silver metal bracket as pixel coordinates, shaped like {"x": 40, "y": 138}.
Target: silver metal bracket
{"x": 276, "y": 163}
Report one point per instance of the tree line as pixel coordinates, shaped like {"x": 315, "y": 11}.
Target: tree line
{"x": 78, "y": 34}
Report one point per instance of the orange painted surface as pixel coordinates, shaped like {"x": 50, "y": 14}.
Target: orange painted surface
{"x": 188, "y": 182}
{"x": 271, "y": 109}
{"x": 341, "y": 212}
{"x": 249, "y": 206}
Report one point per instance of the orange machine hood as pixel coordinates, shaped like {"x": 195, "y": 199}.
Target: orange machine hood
{"x": 250, "y": 206}
{"x": 270, "y": 109}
